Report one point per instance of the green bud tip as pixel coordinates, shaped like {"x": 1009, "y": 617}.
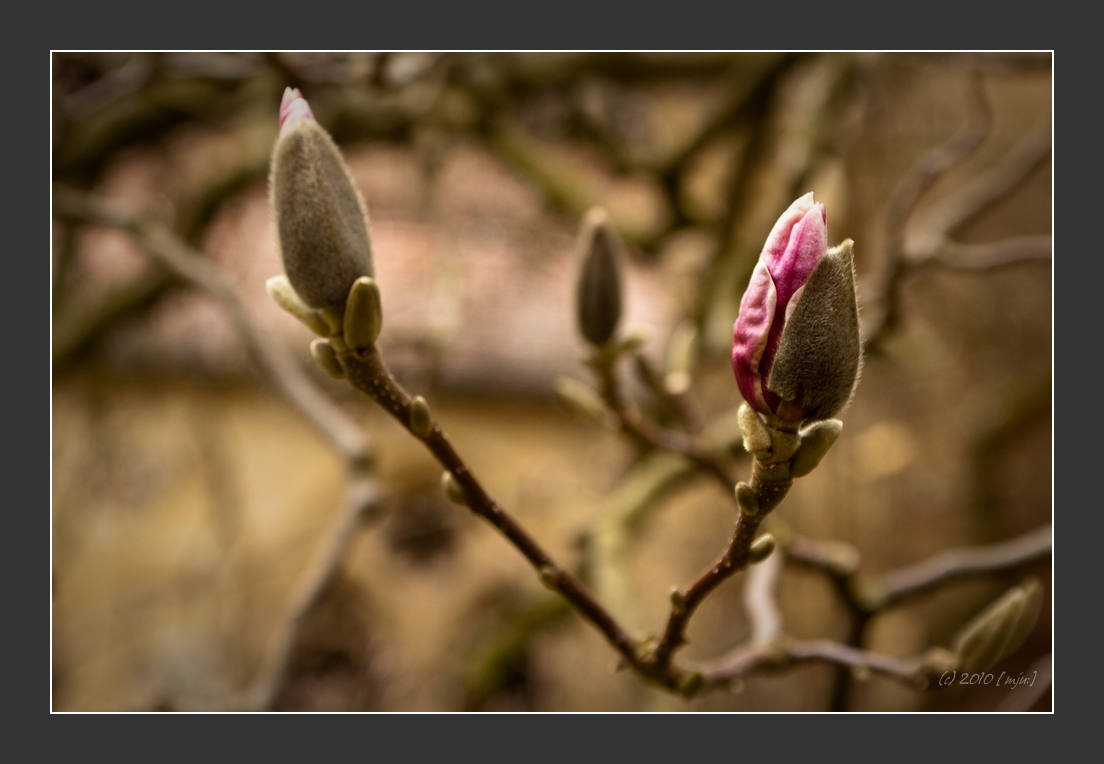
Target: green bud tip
{"x": 678, "y": 601}
{"x": 325, "y": 356}
{"x": 815, "y": 440}
{"x": 453, "y": 490}
{"x": 363, "y": 314}
{"x": 421, "y": 421}
{"x": 746, "y": 498}
{"x": 761, "y": 548}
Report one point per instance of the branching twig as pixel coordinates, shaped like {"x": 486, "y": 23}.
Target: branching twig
{"x": 650, "y": 435}
{"x": 891, "y": 588}
{"x": 783, "y": 654}
{"x": 933, "y": 245}
{"x": 367, "y": 372}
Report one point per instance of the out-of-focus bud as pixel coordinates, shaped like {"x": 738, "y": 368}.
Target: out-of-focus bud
{"x": 1000, "y": 629}
{"x": 796, "y": 349}
{"x": 320, "y": 216}
{"x": 453, "y": 490}
{"x": 598, "y": 295}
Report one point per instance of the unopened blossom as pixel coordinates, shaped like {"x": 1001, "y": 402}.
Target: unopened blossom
{"x": 796, "y": 350}
{"x": 320, "y": 216}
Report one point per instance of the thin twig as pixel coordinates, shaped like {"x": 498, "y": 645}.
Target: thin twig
{"x": 891, "y": 588}
{"x": 649, "y": 435}
{"x": 367, "y": 372}
{"x": 769, "y": 484}
{"x": 782, "y": 654}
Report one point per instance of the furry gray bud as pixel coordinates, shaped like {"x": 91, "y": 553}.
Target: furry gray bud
{"x": 320, "y": 216}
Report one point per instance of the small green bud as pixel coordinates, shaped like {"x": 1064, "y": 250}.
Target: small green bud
{"x": 453, "y": 490}
{"x": 816, "y": 439}
{"x": 363, "y": 314}
{"x": 757, "y": 438}
{"x": 421, "y": 421}
{"x": 325, "y": 356}
{"x": 678, "y": 601}
{"x": 598, "y": 293}
{"x": 746, "y": 498}
{"x": 761, "y": 548}
{"x": 320, "y": 216}
{"x": 282, "y": 293}
{"x": 689, "y": 684}
{"x": 548, "y": 576}
{"x": 998, "y": 631}
{"x": 583, "y": 398}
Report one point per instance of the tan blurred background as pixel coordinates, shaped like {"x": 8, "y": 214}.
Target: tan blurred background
{"x": 190, "y": 499}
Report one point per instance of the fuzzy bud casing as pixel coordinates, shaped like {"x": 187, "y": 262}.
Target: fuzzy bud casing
{"x": 598, "y": 293}
{"x": 796, "y": 349}
{"x": 321, "y": 220}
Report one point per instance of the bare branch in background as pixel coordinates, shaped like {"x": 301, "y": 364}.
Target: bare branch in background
{"x": 932, "y": 245}
{"x": 363, "y": 495}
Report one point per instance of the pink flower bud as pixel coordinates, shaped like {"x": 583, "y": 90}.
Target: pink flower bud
{"x": 796, "y": 349}
{"x": 293, "y": 110}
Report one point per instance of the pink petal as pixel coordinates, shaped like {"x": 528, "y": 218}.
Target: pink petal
{"x": 750, "y": 334}
{"x": 293, "y": 110}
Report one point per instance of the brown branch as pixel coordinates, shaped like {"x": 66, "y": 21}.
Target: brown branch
{"x": 769, "y": 484}
{"x": 891, "y": 588}
{"x": 782, "y": 654}
{"x": 367, "y": 372}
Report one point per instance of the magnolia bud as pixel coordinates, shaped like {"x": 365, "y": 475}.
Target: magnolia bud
{"x": 999, "y": 629}
{"x": 796, "y": 349}
{"x": 598, "y": 296}
{"x": 320, "y": 216}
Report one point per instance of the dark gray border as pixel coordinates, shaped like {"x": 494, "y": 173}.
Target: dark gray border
{"x": 687, "y": 737}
